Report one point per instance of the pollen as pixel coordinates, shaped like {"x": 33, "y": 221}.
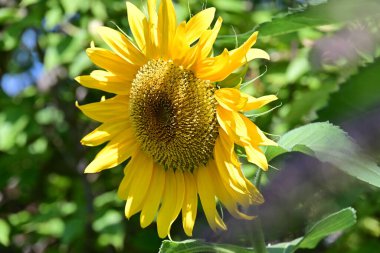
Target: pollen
{"x": 173, "y": 114}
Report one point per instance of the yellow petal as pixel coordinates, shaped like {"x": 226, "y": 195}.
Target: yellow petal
{"x": 104, "y": 132}
{"x": 256, "y": 197}
{"x": 255, "y": 53}
{"x": 241, "y": 129}
{"x": 196, "y": 55}
{"x": 152, "y": 43}
{"x": 121, "y": 46}
{"x": 171, "y": 202}
{"x": 180, "y": 44}
{"x": 129, "y": 172}
{"x": 213, "y": 69}
{"x": 231, "y": 99}
{"x": 140, "y": 184}
{"x": 139, "y": 26}
{"x": 152, "y": 11}
{"x": 247, "y": 130}
{"x": 207, "y": 196}
{"x": 227, "y": 200}
{"x": 238, "y": 56}
{"x": 153, "y": 197}
{"x": 256, "y": 156}
{"x": 225, "y": 120}
{"x": 115, "y": 152}
{"x": 235, "y": 182}
{"x": 199, "y": 23}
{"x": 228, "y": 145}
{"x": 207, "y": 39}
{"x": 234, "y": 100}
{"x": 166, "y": 26}
{"x": 117, "y": 87}
{"x": 256, "y": 103}
{"x": 241, "y": 195}
{"x": 180, "y": 193}
{"x": 190, "y": 203}
{"x": 105, "y": 76}
{"x": 110, "y": 61}
{"x": 228, "y": 61}
{"x": 245, "y": 133}
{"x": 204, "y": 46}
{"x": 227, "y": 170}
{"x": 107, "y": 110}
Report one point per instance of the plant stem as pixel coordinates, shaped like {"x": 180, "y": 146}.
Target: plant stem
{"x": 258, "y": 239}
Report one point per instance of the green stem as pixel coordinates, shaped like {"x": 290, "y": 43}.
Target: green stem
{"x": 258, "y": 240}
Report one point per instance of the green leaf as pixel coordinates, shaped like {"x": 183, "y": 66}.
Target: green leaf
{"x": 99, "y": 10}
{"x": 273, "y": 151}
{"x": 358, "y": 94}
{"x": 8, "y": 15}
{"x": 9, "y": 38}
{"x": 332, "y": 12}
{"x": 4, "y": 232}
{"x": 231, "y": 5}
{"x": 331, "y": 144}
{"x": 52, "y": 57}
{"x": 298, "y": 66}
{"x": 111, "y": 217}
{"x": 81, "y": 63}
{"x": 284, "y": 247}
{"x": 11, "y": 130}
{"x": 193, "y": 246}
{"x": 234, "y": 79}
{"x": 71, "y": 6}
{"x": 25, "y": 3}
{"x": 306, "y": 103}
{"x": 71, "y": 47}
{"x": 333, "y": 223}
{"x": 53, "y": 17}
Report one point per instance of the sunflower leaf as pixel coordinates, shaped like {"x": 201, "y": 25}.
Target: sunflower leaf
{"x": 331, "y": 12}
{"x": 333, "y": 223}
{"x": 329, "y": 143}
{"x": 317, "y": 13}
{"x": 192, "y": 246}
{"x": 356, "y": 96}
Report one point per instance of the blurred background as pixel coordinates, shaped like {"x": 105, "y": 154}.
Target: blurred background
{"x": 324, "y": 66}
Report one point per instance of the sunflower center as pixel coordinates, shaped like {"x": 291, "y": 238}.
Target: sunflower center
{"x": 173, "y": 114}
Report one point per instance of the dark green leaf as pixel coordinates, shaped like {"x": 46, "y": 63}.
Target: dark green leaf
{"x": 194, "y": 246}
{"x": 306, "y": 103}
{"x": 332, "y": 12}
{"x": 333, "y": 223}
{"x": 356, "y": 95}
{"x": 329, "y": 143}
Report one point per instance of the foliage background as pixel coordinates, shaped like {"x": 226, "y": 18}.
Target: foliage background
{"x": 325, "y": 67}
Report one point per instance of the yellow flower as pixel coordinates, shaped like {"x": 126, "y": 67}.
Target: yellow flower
{"x": 170, "y": 118}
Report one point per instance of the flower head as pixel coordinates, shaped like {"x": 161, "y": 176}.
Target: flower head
{"x": 170, "y": 118}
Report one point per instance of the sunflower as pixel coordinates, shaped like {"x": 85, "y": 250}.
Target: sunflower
{"x": 170, "y": 119}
